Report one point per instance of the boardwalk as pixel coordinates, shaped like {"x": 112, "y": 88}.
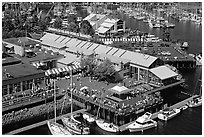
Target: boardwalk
{"x": 154, "y": 115}
{"x": 40, "y": 123}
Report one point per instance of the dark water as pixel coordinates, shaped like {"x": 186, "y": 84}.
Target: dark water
{"x": 189, "y": 122}
{"x": 183, "y": 31}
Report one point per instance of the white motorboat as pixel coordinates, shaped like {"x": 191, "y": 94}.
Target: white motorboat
{"x": 168, "y": 113}
{"x": 88, "y": 118}
{"x": 184, "y": 107}
{"x": 142, "y": 123}
{"x": 196, "y": 102}
{"x": 185, "y": 45}
{"x": 107, "y": 126}
{"x": 57, "y": 129}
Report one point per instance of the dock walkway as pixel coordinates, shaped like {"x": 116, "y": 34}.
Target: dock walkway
{"x": 154, "y": 115}
{"x": 40, "y": 123}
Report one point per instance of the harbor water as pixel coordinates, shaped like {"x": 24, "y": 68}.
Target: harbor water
{"x": 188, "y": 122}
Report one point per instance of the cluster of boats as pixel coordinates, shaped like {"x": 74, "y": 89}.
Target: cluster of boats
{"x": 153, "y": 20}
{"x": 72, "y": 126}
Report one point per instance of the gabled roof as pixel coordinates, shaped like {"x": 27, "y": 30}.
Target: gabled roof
{"x": 102, "y": 30}
{"x": 163, "y": 72}
{"x": 120, "y": 89}
{"x": 139, "y": 58}
{"x": 102, "y": 49}
{"x": 73, "y": 42}
{"x": 112, "y": 21}
{"x": 89, "y": 17}
{"x": 107, "y": 25}
{"x": 113, "y": 59}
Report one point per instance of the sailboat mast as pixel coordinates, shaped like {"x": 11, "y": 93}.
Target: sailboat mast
{"x": 55, "y": 100}
{"x": 71, "y": 92}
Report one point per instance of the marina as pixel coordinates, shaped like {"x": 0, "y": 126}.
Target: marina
{"x": 115, "y": 78}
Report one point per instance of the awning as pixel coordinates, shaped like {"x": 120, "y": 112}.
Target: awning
{"x": 58, "y": 70}
{"x": 37, "y": 64}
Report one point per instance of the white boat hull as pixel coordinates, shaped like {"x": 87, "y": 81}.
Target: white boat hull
{"x": 106, "y": 126}
{"x": 165, "y": 118}
{"x": 71, "y": 126}
{"x": 57, "y": 129}
{"x": 195, "y": 104}
{"x": 88, "y": 118}
{"x": 139, "y": 127}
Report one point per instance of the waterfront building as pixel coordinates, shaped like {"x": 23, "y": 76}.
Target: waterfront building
{"x": 128, "y": 63}
{"x": 30, "y": 51}
{"x": 104, "y": 25}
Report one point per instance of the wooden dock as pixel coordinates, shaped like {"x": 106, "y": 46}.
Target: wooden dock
{"x": 40, "y": 123}
{"x": 154, "y": 115}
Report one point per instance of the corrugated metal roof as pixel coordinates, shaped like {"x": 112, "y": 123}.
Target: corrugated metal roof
{"x": 73, "y": 42}
{"x": 93, "y": 46}
{"x": 85, "y": 46}
{"x": 102, "y": 49}
{"x": 119, "y": 52}
{"x": 139, "y": 59}
{"x": 113, "y": 50}
{"x": 60, "y": 39}
{"x": 80, "y": 50}
{"x": 113, "y": 59}
{"x": 81, "y": 44}
{"x": 163, "y": 72}
{"x": 65, "y": 40}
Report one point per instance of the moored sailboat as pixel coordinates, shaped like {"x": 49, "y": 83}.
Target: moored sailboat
{"x": 107, "y": 126}
{"x": 72, "y": 125}
{"x": 54, "y": 127}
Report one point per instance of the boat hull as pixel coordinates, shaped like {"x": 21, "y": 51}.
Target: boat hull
{"x": 88, "y": 118}
{"x": 106, "y": 126}
{"x": 138, "y": 127}
{"x": 195, "y": 105}
{"x": 71, "y": 126}
{"x": 165, "y": 118}
{"x": 58, "y": 129}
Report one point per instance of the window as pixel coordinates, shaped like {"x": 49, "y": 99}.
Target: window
{"x": 10, "y": 88}
{"x": 4, "y": 90}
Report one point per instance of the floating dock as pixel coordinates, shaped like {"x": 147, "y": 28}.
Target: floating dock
{"x": 154, "y": 115}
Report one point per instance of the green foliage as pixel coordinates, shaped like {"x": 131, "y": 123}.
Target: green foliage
{"x": 58, "y": 23}
{"x": 72, "y": 18}
{"x": 7, "y": 25}
{"x": 103, "y": 71}
{"x": 73, "y": 27}
{"x": 86, "y": 28}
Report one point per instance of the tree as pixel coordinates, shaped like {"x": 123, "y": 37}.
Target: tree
{"x": 88, "y": 64}
{"x": 86, "y": 28}
{"x": 7, "y": 25}
{"x": 58, "y": 23}
{"x": 105, "y": 70}
{"x": 73, "y": 27}
{"x": 71, "y": 18}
